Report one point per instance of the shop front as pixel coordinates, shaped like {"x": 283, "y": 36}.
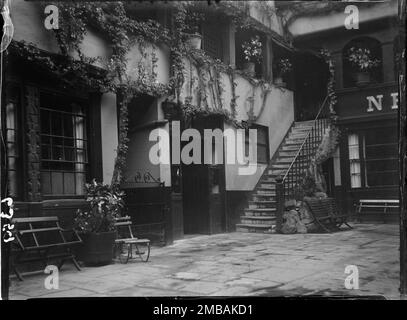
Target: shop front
{"x": 367, "y": 164}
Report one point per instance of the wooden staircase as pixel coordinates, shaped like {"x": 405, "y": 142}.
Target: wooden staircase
{"x": 260, "y": 216}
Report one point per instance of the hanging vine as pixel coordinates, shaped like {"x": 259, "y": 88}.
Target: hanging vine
{"x": 122, "y": 32}
{"x": 332, "y": 98}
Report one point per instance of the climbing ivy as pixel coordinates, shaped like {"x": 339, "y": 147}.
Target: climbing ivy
{"x": 332, "y": 98}
{"x": 122, "y": 32}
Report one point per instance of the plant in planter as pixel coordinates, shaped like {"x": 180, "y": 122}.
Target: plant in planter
{"x": 282, "y": 68}
{"x": 96, "y": 225}
{"x": 363, "y": 62}
{"x": 193, "y": 19}
{"x": 252, "y": 51}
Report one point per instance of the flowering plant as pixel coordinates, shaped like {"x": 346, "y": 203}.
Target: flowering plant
{"x": 252, "y": 50}
{"x": 284, "y": 66}
{"x": 105, "y": 203}
{"x": 361, "y": 58}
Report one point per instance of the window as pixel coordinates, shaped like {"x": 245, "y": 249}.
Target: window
{"x": 63, "y": 146}
{"x": 212, "y": 42}
{"x": 350, "y": 71}
{"x": 373, "y": 156}
{"x": 354, "y": 159}
{"x": 262, "y": 144}
{"x": 381, "y": 157}
{"x": 12, "y": 143}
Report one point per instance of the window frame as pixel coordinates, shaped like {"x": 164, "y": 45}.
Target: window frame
{"x": 86, "y": 133}
{"x": 363, "y": 160}
{"x": 266, "y": 144}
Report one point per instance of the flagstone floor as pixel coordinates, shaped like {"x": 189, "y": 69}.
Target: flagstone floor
{"x": 241, "y": 264}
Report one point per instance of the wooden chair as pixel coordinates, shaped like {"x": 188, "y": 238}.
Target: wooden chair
{"x": 325, "y": 214}
{"x": 42, "y": 239}
{"x": 126, "y": 243}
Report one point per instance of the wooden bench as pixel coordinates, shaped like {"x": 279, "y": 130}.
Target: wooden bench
{"x": 42, "y": 239}
{"x": 126, "y": 241}
{"x": 326, "y": 215}
{"x": 365, "y": 207}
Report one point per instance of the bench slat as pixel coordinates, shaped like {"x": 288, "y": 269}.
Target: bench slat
{"x": 47, "y": 246}
{"x": 35, "y": 219}
{"x": 378, "y": 201}
{"x": 39, "y": 230}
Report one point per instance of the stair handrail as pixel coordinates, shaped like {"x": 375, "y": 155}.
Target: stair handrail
{"x": 306, "y": 138}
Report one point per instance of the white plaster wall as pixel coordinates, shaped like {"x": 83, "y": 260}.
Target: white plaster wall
{"x": 273, "y": 22}
{"x": 28, "y": 21}
{"x": 277, "y": 114}
{"x": 134, "y": 58}
{"x": 307, "y": 25}
{"x": 109, "y": 134}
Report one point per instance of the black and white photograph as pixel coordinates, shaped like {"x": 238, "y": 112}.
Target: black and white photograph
{"x": 206, "y": 149}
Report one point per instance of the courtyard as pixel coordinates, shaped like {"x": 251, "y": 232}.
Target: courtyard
{"x": 241, "y": 264}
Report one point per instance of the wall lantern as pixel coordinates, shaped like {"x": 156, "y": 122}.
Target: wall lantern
{"x": 170, "y": 110}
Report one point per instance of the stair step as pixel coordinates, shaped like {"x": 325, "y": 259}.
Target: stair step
{"x": 290, "y": 147}
{"x": 265, "y": 192}
{"x": 257, "y": 220}
{"x": 269, "y": 210}
{"x": 254, "y": 228}
{"x": 264, "y": 195}
{"x": 267, "y": 185}
{"x": 281, "y": 160}
{"x": 280, "y": 166}
{"x": 293, "y": 143}
{"x": 263, "y": 202}
{"x": 290, "y": 154}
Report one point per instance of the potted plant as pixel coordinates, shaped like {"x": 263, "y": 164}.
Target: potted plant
{"x": 96, "y": 225}
{"x": 252, "y": 51}
{"x": 192, "y": 25}
{"x": 282, "y": 68}
{"x": 363, "y": 62}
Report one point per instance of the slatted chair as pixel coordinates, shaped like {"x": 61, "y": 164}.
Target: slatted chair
{"x": 366, "y": 207}
{"x": 42, "y": 239}
{"x": 126, "y": 243}
{"x": 325, "y": 214}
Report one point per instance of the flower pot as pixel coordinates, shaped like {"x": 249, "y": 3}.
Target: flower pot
{"x": 97, "y": 248}
{"x": 250, "y": 68}
{"x": 362, "y": 78}
{"x": 194, "y": 41}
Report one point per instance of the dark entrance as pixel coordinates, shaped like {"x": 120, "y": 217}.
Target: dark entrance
{"x": 203, "y": 190}
{"x": 311, "y": 79}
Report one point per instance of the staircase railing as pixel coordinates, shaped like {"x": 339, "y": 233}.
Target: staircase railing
{"x": 287, "y": 185}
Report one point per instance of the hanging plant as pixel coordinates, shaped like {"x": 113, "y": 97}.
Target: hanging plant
{"x": 252, "y": 50}
{"x": 328, "y": 145}
{"x": 361, "y": 59}
{"x": 283, "y": 66}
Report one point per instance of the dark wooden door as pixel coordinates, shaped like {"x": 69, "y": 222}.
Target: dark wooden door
{"x": 195, "y": 199}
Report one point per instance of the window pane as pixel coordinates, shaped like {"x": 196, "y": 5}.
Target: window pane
{"x": 382, "y": 179}
{"x": 353, "y": 144}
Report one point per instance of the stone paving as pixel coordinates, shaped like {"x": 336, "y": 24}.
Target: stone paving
{"x": 241, "y": 264}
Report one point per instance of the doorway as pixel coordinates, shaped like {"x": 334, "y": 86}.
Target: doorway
{"x": 203, "y": 189}
{"x": 311, "y": 79}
